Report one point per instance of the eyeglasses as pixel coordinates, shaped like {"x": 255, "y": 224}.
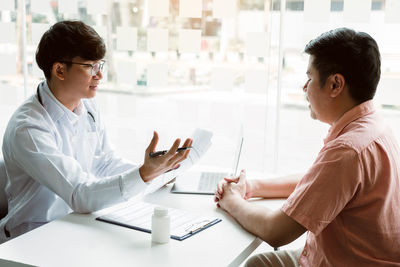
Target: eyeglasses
{"x": 96, "y": 67}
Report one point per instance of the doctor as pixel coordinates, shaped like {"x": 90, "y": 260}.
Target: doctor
{"x": 55, "y": 147}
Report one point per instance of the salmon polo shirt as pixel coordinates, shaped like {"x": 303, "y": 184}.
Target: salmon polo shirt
{"x": 349, "y": 200}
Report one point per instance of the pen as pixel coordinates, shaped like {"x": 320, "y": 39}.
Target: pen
{"x": 160, "y": 153}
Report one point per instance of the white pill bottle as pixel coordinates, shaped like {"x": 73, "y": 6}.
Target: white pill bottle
{"x": 160, "y": 225}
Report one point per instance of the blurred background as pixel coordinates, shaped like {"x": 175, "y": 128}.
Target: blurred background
{"x": 175, "y": 65}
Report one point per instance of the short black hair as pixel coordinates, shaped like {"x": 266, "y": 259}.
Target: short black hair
{"x": 66, "y": 40}
{"x": 353, "y": 54}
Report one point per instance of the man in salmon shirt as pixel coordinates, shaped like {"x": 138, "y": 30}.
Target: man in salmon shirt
{"x": 349, "y": 200}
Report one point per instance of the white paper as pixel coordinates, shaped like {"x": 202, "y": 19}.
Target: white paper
{"x": 255, "y": 81}
{"x": 158, "y": 8}
{"x": 392, "y": 11}
{"x": 257, "y": 44}
{"x": 8, "y": 64}
{"x": 222, "y": 79}
{"x": 224, "y": 9}
{"x": 201, "y": 143}
{"x": 157, "y": 75}
{"x": 190, "y": 8}
{"x": 7, "y": 5}
{"x": 68, "y": 6}
{"x": 317, "y": 10}
{"x": 97, "y": 7}
{"x": 357, "y": 11}
{"x": 38, "y": 29}
{"x": 189, "y": 41}
{"x": 126, "y": 38}
{"x": 7, "y": 32}
{"x": 139, "y": 214}
{"x": 40, "y": 6}
{"x": 126, "y": 73}
{"x": 157, "y": 40}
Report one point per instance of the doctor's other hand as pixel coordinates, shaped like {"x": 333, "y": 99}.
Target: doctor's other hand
{"x": 155, "y": 166}
{"x": 246, "y": 187}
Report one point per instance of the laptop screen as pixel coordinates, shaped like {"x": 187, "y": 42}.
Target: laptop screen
{"x": 238, "y": 152}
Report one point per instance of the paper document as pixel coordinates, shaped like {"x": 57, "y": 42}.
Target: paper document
{"x": 201, "y": 143}
{"x": 137, "y": 215}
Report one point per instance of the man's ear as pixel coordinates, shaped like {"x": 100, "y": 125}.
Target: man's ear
{"x": 58, "y": 70}
{"x": 336, "y": 84}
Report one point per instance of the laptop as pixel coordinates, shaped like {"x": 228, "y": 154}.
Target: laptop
{"x": 204, "y": 183}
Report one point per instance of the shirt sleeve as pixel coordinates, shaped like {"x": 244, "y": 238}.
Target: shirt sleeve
{"x": 326, "y": 188}
{"x": 35, "y": 151}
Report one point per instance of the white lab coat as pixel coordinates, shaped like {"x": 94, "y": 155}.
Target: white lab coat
{"x": 60, "y": 161}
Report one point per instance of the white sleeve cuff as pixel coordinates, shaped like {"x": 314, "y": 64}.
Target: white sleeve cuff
{"x": 132, "y": 183}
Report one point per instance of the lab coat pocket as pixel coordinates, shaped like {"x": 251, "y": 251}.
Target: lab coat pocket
{"x": 86, "y": 143}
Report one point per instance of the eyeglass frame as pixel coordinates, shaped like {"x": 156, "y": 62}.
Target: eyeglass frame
{"x": 101, "y": 65}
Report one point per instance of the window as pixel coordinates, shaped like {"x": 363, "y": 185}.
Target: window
{"x": 175, "y": 65}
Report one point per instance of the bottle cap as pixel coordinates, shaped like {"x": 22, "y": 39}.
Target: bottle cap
{"x": 161, "y": 211}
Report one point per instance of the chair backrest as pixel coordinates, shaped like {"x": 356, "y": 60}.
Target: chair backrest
{"x": 3, "y": 182}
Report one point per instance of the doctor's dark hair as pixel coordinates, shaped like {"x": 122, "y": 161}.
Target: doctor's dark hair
{"x": 66, "y": 40}
{"x": 355, "y": 55}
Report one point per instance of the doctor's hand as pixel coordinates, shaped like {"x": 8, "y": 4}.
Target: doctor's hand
{"x": 155, "y": 166}
{"x": 246, "y": 187}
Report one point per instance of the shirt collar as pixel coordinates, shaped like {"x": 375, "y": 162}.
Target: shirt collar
{"x": 353, "y": 114}
{"x": 55, "y": 108}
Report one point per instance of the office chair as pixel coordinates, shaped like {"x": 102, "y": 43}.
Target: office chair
{"x": 3, "y": 196}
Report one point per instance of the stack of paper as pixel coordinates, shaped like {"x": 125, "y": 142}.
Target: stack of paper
{"x": 201, "y": 143}
{"x": 137, "y": 215}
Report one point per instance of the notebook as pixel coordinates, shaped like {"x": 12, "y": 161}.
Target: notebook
{"x": 137, "y": 215}
{"x": 204, "y": 183}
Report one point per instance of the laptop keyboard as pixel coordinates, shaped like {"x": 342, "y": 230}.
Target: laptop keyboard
{"x": 209, "y": 180}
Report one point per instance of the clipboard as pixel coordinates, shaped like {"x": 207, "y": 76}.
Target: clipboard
{"x": 137, "y": 216}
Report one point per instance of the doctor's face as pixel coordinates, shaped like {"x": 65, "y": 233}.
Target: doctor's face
{"x": 82, "y": 78}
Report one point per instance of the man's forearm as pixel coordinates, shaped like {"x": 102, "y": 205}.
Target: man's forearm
{"x": 273, "y": 226}
{"x": 253, "y": 218}
{"x": 280, "y": 187}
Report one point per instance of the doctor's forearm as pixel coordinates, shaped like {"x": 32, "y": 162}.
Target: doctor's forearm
{"x": 101, "y": 193}
{"x": 88, "y": 198}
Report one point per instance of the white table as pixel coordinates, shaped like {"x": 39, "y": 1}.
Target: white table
{"x": 80, "y": 240}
